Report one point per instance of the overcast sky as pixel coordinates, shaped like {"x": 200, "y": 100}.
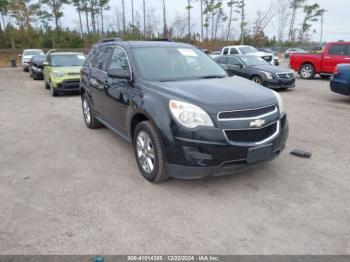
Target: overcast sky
{"x": 336, "y": 27}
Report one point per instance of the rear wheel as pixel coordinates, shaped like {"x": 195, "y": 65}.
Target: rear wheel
{"x": 89, "y": 114}
{"x": 307, "y": 71}
{"x": 257, "y": 79}
{"x": 149, "y": 153}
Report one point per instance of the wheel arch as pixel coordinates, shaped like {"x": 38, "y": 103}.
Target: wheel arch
{"x": 305, "y": 63}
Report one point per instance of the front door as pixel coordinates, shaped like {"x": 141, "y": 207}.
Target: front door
{"x": 337, "y": 54}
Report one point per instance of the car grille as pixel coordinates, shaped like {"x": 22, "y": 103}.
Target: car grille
{"x": 286, "y": 75}
{"x": 73, "y": 74}
{"x": 267, "y": 58}
{"x": 70, "y": 84}
{"x": 255, "y": 135}
{"x": 248, "y": 113}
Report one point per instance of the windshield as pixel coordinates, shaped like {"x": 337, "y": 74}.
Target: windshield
{"x": 172, "y": 63}
{"x": 68, "y": 60}
{"x": 254, "y": 61}
{"x": 33, "y": 53}
{"x": 247, "y": 50}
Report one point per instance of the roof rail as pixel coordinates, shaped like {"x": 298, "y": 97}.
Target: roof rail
{"x": 162, "y": 40}
{"x": 115, "y": 39}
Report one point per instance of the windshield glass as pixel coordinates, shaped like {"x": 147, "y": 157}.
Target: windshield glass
{"x": 33, "y": 53}
{"x": 172, "y": 63}
{"x": 68, "y": 60}
{"x": 247, "y": 50}
{"x": 254, "y": 61}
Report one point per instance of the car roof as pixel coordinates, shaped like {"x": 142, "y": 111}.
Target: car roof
{"x": 237, "y": 46}
{"x": 66, "y": 53}
{"x": 140, "y": 44}
{"x": 33, "y": 50}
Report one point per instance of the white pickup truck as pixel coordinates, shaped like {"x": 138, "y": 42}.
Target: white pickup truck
{"x": 246, "y": 49}
{"x": 27, "y": 56}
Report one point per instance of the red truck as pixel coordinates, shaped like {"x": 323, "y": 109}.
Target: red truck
{"x": 324, "y": 64}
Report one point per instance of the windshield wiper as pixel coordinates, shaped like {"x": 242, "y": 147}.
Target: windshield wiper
{"x": 211, "y": 76}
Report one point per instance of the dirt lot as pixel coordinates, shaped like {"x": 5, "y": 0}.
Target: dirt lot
{"x": 65, "y": 189}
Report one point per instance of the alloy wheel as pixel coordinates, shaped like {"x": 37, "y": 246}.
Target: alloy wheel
{"x": 86, "y": 111}
{"x": 145, "y": 152}
{"x": 306, "y": 72}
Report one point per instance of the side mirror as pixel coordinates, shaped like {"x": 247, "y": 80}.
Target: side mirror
{"x": 119, "y": 73}
{"x": 46, "y": 63}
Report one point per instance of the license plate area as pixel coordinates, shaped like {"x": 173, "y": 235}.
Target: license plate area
{"x": 258, "y": 154}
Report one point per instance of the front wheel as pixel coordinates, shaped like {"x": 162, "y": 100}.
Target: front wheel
{"x": 257, "y": 79}
{"x": 307, "y": 71}
{"x": 53, "y": 91}
{"x": 149, "y": 153}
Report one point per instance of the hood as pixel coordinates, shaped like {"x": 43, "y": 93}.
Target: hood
{"x": 214, "y": 95}
{"x": 271, "y": 69}
{"x": 260, "y": 54}
{"x": 67, "y": 69}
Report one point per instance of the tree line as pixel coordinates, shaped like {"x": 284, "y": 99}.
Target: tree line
{"x": 38, "y": 23}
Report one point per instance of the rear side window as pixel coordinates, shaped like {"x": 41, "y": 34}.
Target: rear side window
{"x": 119, "y": 59}
{"x": 338, "y": 50}
{"x": 233, "y": 51}
{"x": 225, "y": 51}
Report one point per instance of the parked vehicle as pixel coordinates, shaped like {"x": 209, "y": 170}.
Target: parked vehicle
{"x": 62, "y": 72}
{"x": 185, "y": 117}
{"x": 215, "y": 54}
{"x": 276, "y": 61}
{"x": 308, "y": 65}
{"x": 257, "y": 70}
{"x": 36, "y": 67}
{"x": 245, "y": 49}
{"x": 27, "y": 55}
{"x": 294, "y": 51}
{"x": 340, "y": 81}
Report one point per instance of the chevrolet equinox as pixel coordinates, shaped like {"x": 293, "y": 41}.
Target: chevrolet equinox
{"x": 185, "y": 117}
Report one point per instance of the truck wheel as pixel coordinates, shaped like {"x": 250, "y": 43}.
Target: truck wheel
{"x": 149, "y": 153}
{"x": 307, "y": 71}
{"x": 89, "y": 113}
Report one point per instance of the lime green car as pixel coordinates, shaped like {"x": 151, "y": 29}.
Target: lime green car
{"x": 62, "y": 72}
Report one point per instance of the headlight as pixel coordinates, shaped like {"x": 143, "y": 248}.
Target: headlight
{"x": 189, "y": 115}
{"x": 280, "y": 102}
{"x": 58, "y": 74}
{"x": 268, "y": 75}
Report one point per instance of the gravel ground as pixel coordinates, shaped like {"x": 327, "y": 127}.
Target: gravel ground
{"x": 65, "y": 189}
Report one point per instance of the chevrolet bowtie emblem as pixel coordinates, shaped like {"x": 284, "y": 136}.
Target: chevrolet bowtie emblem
{"x": 257, "y": 123}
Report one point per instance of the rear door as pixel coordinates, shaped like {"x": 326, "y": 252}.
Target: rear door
{"x": 337, "y": 54}
{"x": 98, "y": 79}
{"x": 118, "y": 91}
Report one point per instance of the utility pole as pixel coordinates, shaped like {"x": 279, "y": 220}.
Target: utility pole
{"x": 243, "y": 21}
{"x": 322, "y": 21}
{"x": 144, "y": 18}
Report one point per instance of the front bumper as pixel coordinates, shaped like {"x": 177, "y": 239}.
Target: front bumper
{"x": 25, "y": 65}
{"x": 68, "y": 86}
{"x": 198, "y": 159}
{"x": 279, "y": 83}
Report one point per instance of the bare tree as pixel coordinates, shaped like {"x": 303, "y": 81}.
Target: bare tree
{"x": 124, "y": 19}
{"x": 281, "y": 17}
{"x": 144, "y": 17}
{"x": 231, "y": 5}
{"x": 263, "y": 19}
{"x": 179, "y": 26}
{"x": 165, "y": 27}
{"x": 189, "y": 7}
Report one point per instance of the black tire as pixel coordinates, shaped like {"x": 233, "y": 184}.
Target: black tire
{"x": 93, "y": 123}
{"x": 25, "y": 69}
{"x": 159, "y": 172}
{"x": 307, "y": 71}
{"x": 257, "y": 79}
{"x": 47, "y": 86}
{"x": 53, "y": 91}
{"x": 325, "y": 76}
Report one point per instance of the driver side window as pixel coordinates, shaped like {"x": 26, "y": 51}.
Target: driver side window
{"x": 234, "y": 61}
{"x": 119, "y": 59}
